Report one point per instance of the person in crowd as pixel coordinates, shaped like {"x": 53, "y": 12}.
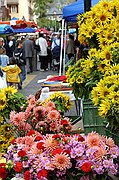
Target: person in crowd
{"x": 19, "y": 55}
{"x": 70, "y": 46}
{"x": 49, "y": 51}
{"x": 56, "y": 47}
{"x": 2, "y": 81}
{"x": 2, "y": 49}
{"x": 12, "y": 73}
{"x": 28, "y": 50}
{"x": 11, "y": 46}
{"x": 42, "y": 43}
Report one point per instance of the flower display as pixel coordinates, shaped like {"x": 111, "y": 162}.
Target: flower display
{"x": 10, "y": 100}
{"x": 98, "y": 29}
{"x": 60, "y": 156}
{"x": 40, "y": 117}
{"x": 62, "y": 101}
{"x": 105, "y": 96}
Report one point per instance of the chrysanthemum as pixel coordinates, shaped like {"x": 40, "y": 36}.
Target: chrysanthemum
{"x": 53, "y": 115}
{"x": 50, "y": 104}
{"x": 61, "y": 161}
{"x": 93, "y": 139}
{"x": 50, "y": 143}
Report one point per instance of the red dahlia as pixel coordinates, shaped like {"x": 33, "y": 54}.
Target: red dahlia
{"x": 56, "y": 151}
{"x": 27, "y": 175}
{"x": 3, "y": 171}
{"x": 86, "y": 167}
{"x": 18, "y": 167}
{"x": 22, "y": 153}
{"x": 40, "y": 145}
{"x": 42, "y": 173}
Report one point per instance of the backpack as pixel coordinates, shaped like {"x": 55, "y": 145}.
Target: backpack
{"x": 56, "y": 50}
{"x": 18, "y": 57}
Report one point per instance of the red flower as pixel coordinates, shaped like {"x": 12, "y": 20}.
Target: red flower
{"x": 56, "y": 151}
{"x": 67, "y": 135}
{"x": 3, "y": 171}
{"x": 18, "y": 167}
{"x": 13, "y": 141}
{"x": 80, "y": 138}
{"x": 38, "y": 138}
{"x": 22, "y": 153}
{"x": 42, "y": 173}
{"x": 67, "y": 151}
{"x": 56, "y": 136}
{"x": 64, "y": 122}
{"x": 40, "y": 145}
{"x": 86, "y": 167}
{"x": 30, "y": 133}
{"x": 27, "y": 175}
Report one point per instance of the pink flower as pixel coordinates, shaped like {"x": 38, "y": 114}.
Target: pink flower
{"x": 39, "y": 111}
{"x": 50, "y": 104}
{"x": 53, "y": 115}
{"x": 93, "y": 139}
{"x": 17, "y": 118}
{"x": 53, "y": 126}
{"x": 50, "y": 143}
{"x": 61, "y": 161}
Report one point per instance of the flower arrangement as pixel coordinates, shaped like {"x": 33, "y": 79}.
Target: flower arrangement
{"x": 39, "y": 117}
{"x": 105, "y": 96}
{"x": 59, "y": 156}
{"x": 10, "y": 100}
{"x": 62, "y": 101}
{"x": 98, "y": 28}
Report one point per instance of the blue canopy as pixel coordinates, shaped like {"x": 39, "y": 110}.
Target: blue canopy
{"x": 6, "y": 29}
{"x": 25, "y": 30}
{"x": 14, "y": 18}
{"x": 71, "y": 11}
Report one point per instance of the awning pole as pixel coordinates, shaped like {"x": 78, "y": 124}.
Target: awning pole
{"x": 65, "y": 32}
{"x": 60, "y": 70}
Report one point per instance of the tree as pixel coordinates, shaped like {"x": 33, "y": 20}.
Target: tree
{"x": 40, "y": 10}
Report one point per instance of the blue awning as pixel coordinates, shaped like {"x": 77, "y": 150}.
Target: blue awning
{"x": 71, "y": 11}
{"x": 25, "y": 30}
{"x": 6, "y": 29}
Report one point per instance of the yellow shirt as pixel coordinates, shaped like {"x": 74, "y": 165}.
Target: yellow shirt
{"x": 12, "y": 73}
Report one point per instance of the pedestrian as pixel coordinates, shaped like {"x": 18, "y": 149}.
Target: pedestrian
{"x": 12, "y": 73}
{"x": 42, "y": 43}
{"x": 70, "y": 46}
{"x": 56, "y": 47}
{"x": 2, "y": 81}
{"x": 19, "y": 55}
{"x": 28, "y": 50}
{"x": 11, "y": 46}
{"x": 2, "y": 49}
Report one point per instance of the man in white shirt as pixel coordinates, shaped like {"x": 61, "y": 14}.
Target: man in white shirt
{"x": 41, "y": 41}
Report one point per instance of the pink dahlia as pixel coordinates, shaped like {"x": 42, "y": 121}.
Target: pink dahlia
{"x": 61, "y": 161}
{"x": 53, "y": 115}
{"x": 93, "y": 139}
{"x": 50, "y": 104}
{"x": 39, "y": 111}
{"x": 53, "y": 126}
{"x": 50, "y": 143}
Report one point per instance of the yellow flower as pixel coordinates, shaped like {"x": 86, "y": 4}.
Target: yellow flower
{"x": 2, "y": 100}
{"x": 104, "y": 108}
{"x": 1, "y": 119}
{"x": 10, "y": 90}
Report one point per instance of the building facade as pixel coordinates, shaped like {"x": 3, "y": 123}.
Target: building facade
{"x": 21, "y": 9}
{"x": 4, "y": 11}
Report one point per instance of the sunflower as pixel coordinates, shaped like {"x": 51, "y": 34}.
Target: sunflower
{"x": 9, "y": 90}
{"x": 3, "y": 101}
{"x": 104, "y": 108}
{"x": 1, "y": 120}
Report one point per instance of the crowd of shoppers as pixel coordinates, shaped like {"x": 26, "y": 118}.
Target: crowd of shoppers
{"x": 24, "y": 55}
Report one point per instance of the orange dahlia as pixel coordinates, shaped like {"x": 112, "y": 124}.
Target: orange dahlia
{"x": 50, "y": 143}
{"x": 61, "y": 161}
{"x": 93, "y": 139}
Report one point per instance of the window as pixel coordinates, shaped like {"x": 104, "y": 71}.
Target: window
{"x": 13, "y": 9}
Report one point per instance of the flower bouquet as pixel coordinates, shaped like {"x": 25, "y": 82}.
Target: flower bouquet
{"x": 41, "y": 117}
{"x": 60, "y": 157}
{"x": 10, "y": 100}
{"x": 99, "y": 30}
{"x": 62, "y": 101}
{"x": 106, "y": 95}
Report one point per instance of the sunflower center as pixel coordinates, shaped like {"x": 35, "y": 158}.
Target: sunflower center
{"x": 103, "y": 17}
{"x": 108, "y": 56}
{"x": 2, "y": 102}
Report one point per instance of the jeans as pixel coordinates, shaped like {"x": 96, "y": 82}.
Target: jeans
{"x": 23, "y": 73}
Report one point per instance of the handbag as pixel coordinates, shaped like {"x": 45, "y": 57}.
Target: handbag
{"x": 37, "y": 48}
